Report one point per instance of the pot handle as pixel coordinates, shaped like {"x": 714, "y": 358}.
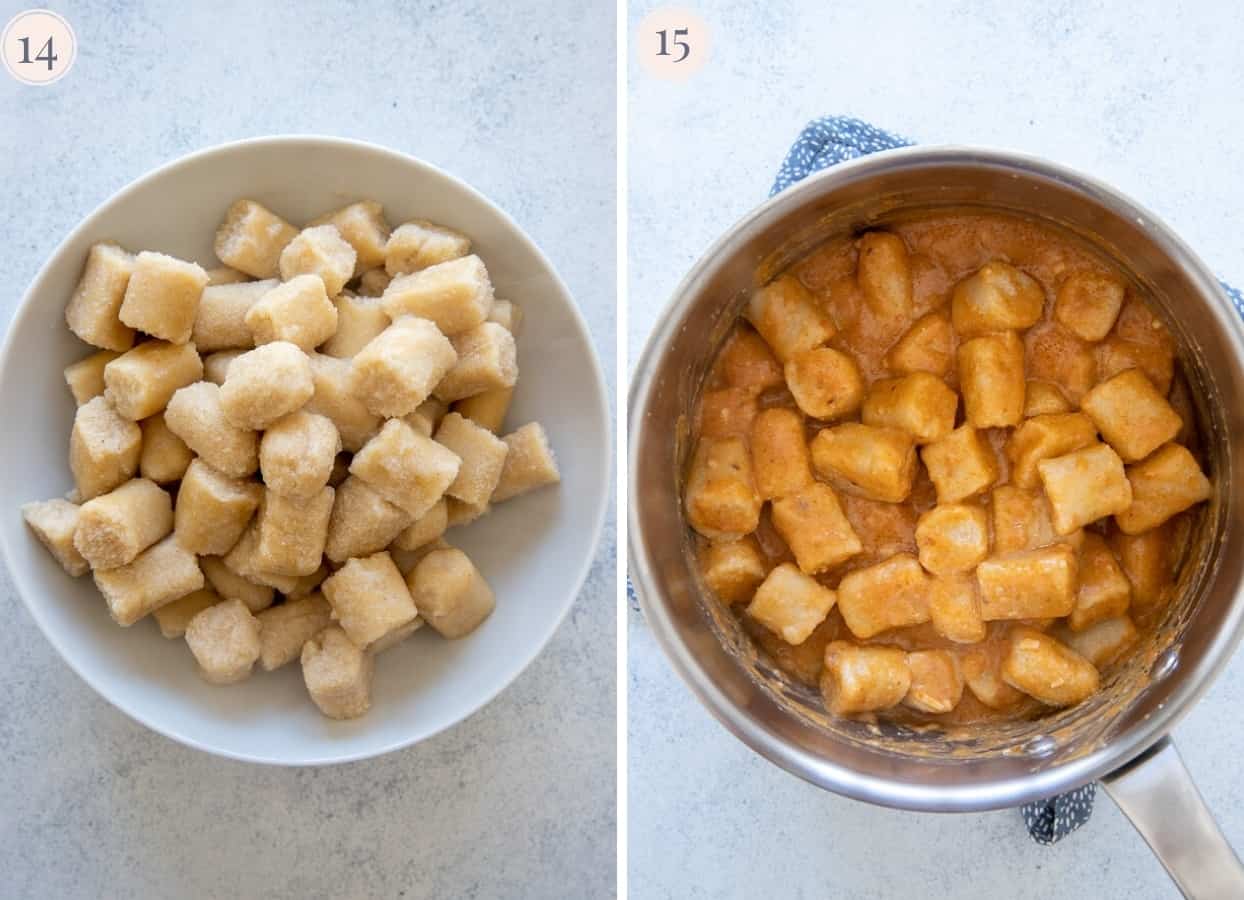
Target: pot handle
{"x": 1157, "y": 794}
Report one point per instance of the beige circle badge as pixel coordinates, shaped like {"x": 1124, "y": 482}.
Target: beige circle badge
{"x": 38, "y": 47}
{"x": 672, "y": 43}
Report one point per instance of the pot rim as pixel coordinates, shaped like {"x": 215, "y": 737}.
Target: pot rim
{"x": 825, "y": 773}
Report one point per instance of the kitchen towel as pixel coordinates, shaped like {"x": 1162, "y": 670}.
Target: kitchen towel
{"x": 833, "y": 139}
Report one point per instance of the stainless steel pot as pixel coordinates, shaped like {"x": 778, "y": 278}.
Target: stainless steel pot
{"x": 1120, "y": 737}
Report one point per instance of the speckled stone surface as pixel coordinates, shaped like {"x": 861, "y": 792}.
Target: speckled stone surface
{"x": 1145, "y": 95}
{"x": 518, "y": 800}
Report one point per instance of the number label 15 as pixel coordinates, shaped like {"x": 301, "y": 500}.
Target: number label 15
{"x": 679, "y": 33}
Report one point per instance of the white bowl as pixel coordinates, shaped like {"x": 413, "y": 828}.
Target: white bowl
{"x": 534, "y": 550}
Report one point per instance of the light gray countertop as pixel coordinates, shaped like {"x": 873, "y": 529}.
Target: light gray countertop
{"x": 1147, "y": 96}
{"x": 518, "y": 800}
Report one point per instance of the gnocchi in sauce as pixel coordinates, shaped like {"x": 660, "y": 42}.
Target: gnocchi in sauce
{"x": 945, "y": 469}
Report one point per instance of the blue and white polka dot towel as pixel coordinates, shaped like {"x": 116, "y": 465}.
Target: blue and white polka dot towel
{"x": 834, "y": 139}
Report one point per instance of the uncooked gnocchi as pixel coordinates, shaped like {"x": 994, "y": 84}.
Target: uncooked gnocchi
{"x": 266, "y": 454}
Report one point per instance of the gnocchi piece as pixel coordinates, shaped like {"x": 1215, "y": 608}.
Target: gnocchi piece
{"x": 162, "y": 296}
{"x": 360, "y": 318}
{"x": 486, "y": 361}
{"x": 1022, "y": 521}
{"x": 1048, "y": 670}
{"x": 420, "y": 244}
{"x": 196, "y": 414}
{"x": 233, "y": 586}
{"x": 86, "y": 376}
{"x": 93, "y": 312}
{"x": 728, "y": 412}
{"x": 788, "y": 318}
{"x": 104, "y": 448}
{"x": 362, "y": 226}
{"x": 140, "y": 382}
{"x": 928, "y": 346}
{"x": 791, "y": 604}
{"x": 243, "y": 560}
{"x": 266, "y": 384}
{"x": 252, "y": 238}
{"x": 393, "y": 638}
{"x": 297, "y": 453}
{"x": 428, "y": 415}
{"x": 213, "y": 509}
{"x": 1116, "y": 355}
{"x": 297, "y": 311}
{"x": 1165, "y": 484}
{"x": 400, "y": 367}
{"x": 407, "y": 469}
{"x": 487, "y": 409}
{"x": 1146, "y": 559}
{"x": 335, "y": 399}
{"x": 425, "y": 529}
{"x": 1045, "y": 437}
{"x": 1104, "y": 591}
{"x": 1031, "y": 584}
{"x": 362, "y": 522}
{"x": 284, "y": 629}
{"x": 780, "y": 457}
{"x": 220, "y": 323}
{"x": 991, "y": 376}
{"x": 876, "y": 463}
{"x": 863, "y": 679}
{"x": 369, "y": 598}
{"x": 338, "y": 674}
{"x": 884, "y": 274}
{"x": 54, "y": 523}
{"x": 920, "y": 404}
{"x": 458, "y": 512}
{"x": 164, "y": 455}
{"x": 292, "y": 532}
{"x": 721, "y": 499}
{"x": 1132, "y": 416}
{"x": 997, "y": 297}
{"x": 507, "y": 314}
{"x": 982, "y": 673}
{"x": 216, "y": 365}
{"x": 1084, "y": 486}
{"x": 960, "y": 465}
{"x": 114, "y": 528}
{"x": 173, "y": 618}
{"x": 813, "y": 525}
{"x": 224, "y": 639}
{"x": 319, "y": 250}
{"x": 1041, "y": 398}
{"x": 451, "y": 594}
{"x": 1054, "y": 354}
{"x": 529, "y": 463}
{"x": 456, "y": 295}
{"x": 952, "y": 538}
{"x": 936, "y": 681}
{"x": 1104, "y": 642}
{"x": 225, "y": 275}
{"x": 1088, "y": 304}
{"x": 891, "y": 594}
{"x": 482, "y": 457}
{"x": 955, "y": 609}
{"x": 748, "y": 363}
{"x": 826, "y": 383}
{"x": 733, "y": 569}
{"x": 159, "y": 575}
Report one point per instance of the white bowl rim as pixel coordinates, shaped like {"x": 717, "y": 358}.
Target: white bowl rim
{"x": 25, "y": 305}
